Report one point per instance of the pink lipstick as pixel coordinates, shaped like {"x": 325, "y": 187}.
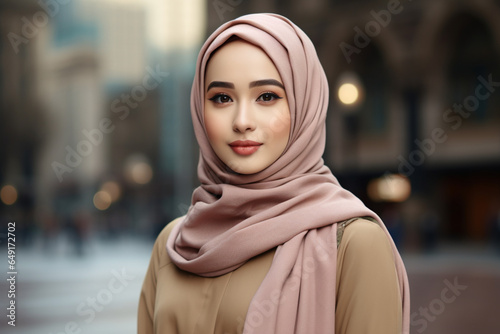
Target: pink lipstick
{"x": 245, "y": 147}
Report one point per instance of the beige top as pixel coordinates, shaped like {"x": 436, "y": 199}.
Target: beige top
{"x": 173, "y": 301}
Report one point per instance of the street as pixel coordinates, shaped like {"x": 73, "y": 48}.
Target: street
{"x": 95, "y": 293}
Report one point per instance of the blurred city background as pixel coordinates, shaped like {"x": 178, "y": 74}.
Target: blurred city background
{"x": 97, "y": 152}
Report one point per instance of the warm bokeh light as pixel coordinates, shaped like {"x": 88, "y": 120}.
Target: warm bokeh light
{"x": 113, "y": 188}
{"x": 8, "y": 194}
{"x": 102, "y": 200}
{"x": 141, "y": 173}
{"x": 138, "y": 170}
{"x": 389, "y": 188}
{"x": 348, "y": 93}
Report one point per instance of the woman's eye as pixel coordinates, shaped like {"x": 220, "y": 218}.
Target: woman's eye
{"x": 221, "y": 98}
{"x": 268, "y": 97}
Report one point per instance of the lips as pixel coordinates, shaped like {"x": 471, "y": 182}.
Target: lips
{"x": 245, "y": 147}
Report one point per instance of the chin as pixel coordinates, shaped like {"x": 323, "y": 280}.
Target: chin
{"x": 248, "y": 170}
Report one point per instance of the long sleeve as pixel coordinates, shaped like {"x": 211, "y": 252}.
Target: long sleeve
{"x": 368, "y": 296}
{"x": 147, "y": 299}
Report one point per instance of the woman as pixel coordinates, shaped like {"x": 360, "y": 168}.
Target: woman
{"x": 271, "y": 243}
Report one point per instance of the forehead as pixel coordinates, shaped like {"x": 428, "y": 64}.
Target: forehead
{"x": 239, "y": 60}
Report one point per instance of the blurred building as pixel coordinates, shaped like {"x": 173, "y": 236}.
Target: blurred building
{"x": 423, "y": 102}
{"x": 123, "y": 43}
{"x": 94, "y": 118}
{"x": 92, "y": 93}
{"x": 184, "y": 27}
{"x": 75, "y": 73}
{"x": 22, "y": 112}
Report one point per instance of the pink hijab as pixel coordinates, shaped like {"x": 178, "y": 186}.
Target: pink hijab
{"x": 294, "y": 204}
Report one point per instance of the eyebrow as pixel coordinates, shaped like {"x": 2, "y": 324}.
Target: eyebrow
{"x": 257, "y": 83}
{"x": 266, "y": 82}
{"x": 221, "y": 84}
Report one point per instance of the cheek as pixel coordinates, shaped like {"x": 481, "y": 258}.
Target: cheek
{"x": 211, "y": 133}
{"x": 213, "y": 126}
{"x": 280, "y": 125}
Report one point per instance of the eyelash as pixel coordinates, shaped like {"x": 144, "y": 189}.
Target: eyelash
{"x": 216, "y": 98}
{"x": 273, "y": 95}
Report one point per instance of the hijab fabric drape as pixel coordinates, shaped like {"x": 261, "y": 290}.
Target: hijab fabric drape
{"x": 293, "y": 205}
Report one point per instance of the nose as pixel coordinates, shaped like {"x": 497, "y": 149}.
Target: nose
{"x": 243, "y": 119}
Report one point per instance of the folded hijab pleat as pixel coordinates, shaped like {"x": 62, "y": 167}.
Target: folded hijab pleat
{"x": 293, "y": 205}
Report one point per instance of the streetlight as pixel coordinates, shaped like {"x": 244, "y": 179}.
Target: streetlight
{"x": 350, "y": 90}
{"x": 348, "y": 93}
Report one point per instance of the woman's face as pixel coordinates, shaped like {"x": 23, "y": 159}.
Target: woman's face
{"x": 246, "y": 109}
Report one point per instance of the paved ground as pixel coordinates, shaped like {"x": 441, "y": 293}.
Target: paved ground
{"x": 455, "y": 291}
{"x": 97, "y": 293}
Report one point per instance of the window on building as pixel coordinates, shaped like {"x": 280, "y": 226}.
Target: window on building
{"x": 472, "y": 56}
{"x": 374, "y": 76}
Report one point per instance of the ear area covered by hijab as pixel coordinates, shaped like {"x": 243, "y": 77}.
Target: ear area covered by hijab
{"x": 293, "y": 204}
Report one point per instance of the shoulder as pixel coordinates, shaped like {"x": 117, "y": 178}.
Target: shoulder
{"x": 366, "y": 279}
{"x": 365, "y": 252}
{"x": 159, "y": 253}
{"x": 147, "y": 301}
{"x": 363, "y": 229}
{"x": 165, "y": 232}
{"x": 364, "y": 236}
